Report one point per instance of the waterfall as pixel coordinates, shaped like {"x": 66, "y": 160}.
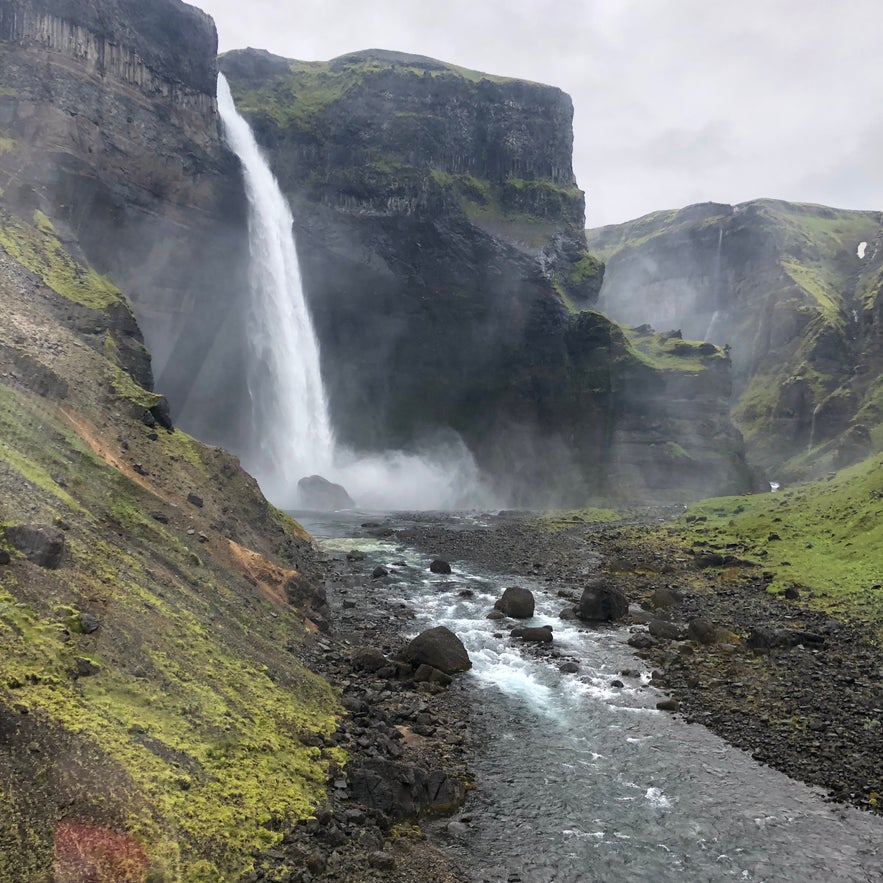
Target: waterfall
{"x": 812, "y": 427}
{"x": 711, "y": 324}
{"x": 291, "y": 426}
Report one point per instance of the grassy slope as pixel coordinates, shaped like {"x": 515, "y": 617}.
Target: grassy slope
{"x": 825, "y": 537}
{"x": 191, "y": 745}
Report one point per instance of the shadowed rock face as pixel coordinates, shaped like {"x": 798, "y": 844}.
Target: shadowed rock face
{"x": 785, "y": 286}
{"x": 440, "y": 235}
{"x": 109, "y": 118}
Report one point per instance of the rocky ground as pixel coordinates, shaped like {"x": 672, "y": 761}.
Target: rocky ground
{"x": 799, "y": 691}
{"x": 387, "y": 814}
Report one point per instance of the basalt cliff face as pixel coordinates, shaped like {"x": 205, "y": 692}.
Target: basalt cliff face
{"x": 109, "y": 127}
{"x": 795, "y": 290}
{"x": 439, "y": 228}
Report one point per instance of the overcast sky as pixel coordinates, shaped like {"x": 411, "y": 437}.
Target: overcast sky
{"x": 677, "y": 101}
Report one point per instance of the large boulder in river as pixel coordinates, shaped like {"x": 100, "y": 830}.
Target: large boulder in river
{"x": 516, "y": 602}
{"x": 41, "y": 543}
{"x": 601, "y": 602}
{"x": 315, "y": 492}
{"x": 440, "y": 648}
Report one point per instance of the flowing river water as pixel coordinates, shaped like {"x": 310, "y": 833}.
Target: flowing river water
{"x": 577, "y": 780}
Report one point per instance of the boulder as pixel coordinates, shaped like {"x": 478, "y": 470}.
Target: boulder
{"x": 440, "y": 648}
{"x": 440, "y": 566}
{"x": 516, "y": 602}
{"x": 702, "y": 630}
{"x": 369, "y": 659}
{"x": 379, "y": 572}
{"x": 664, "y": 597}
{"x": 426, "y": 674}
{"x": 601, "y": 602}
{"x": 40, "y": 543}
{"x": 321, "y": 495}
{"x": 668, "y": 631}
{"x": 542, "y": 635}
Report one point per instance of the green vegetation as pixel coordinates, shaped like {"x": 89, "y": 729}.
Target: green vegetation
{"x": 587, "y": 267}
{"x": 671, "y": 353}
{"x": 826, "y": 537}
{"x": 308, "y": 87}
{"x": 555, "y": 522}
{"x": 191, "y": 717}
{"x": 37, "y": 248}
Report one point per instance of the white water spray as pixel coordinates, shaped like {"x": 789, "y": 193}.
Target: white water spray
{"x": 715, "y": 316}
{"x": 283, "y": 374}
{"x": 292, "y": 429}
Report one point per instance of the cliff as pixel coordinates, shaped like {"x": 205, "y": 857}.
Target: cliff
{"x": 794, "y": 290}
{"x": 108, "y": 125}
{"x": 439, "y": 227}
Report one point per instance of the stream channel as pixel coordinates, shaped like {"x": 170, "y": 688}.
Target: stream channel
{"x": 577, "y": 780}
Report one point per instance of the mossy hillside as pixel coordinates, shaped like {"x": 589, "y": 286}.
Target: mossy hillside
{"x": 299, "y": 93}
{"x": 825, "y": 537}
{"x": 192, "y": 700}
{"x": 664, "y": 353}
{"x": 37, "y": 247}
{"x": 182, "y": 723}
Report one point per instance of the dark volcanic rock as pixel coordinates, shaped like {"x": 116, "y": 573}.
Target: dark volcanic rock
{"x": 40, "y": 543}
{"x": 440, "y": 648}
{"x": 440, "y": 566}
{"x": 516, "y": 602}
{"x": 601, "y": 602}
{"x": 668, "y": 631}
{"x": 315, "y": 492}
{"x": 541, "y": 635}
{"x": 403, "y": 790}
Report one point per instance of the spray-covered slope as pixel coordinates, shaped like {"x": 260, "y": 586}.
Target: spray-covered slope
{"x": 152, "y": 725}
{"x": 794, "y": 289}
{"x": 440, "y": 234}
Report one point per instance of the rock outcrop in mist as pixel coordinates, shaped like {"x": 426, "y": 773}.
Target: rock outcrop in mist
{"x": 795, "y": 290}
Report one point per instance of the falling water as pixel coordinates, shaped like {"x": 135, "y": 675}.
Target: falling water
{"x": 283, "y": 374}
{"x": 291, "y": 426}
{"x": 711, "y": 324}
{"x": 812, "y": 427}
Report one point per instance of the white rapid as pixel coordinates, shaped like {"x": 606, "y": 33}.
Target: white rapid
{"x": 292, "y": 434}
{"x": 283, "y": 373}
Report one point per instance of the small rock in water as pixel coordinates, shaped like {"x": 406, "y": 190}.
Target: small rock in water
{"x": 379, "y": 571}
{"x": 355, "y": 555}
{"x": 668, "y": 705}
{"x": 541, "y": 635}
{"x": 569, "y": 668}
{"x": 440, "y": 566}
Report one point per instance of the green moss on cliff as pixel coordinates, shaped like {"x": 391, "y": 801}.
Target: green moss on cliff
{"x": 671, "y": 353}
{"x": 37, "y": 247}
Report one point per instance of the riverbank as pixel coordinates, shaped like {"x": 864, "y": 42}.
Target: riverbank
{"x": 797, "y": 688}
{"x": 805, "y": 709}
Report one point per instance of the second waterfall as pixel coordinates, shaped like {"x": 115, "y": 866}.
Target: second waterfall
{"x": 282, "y": 367}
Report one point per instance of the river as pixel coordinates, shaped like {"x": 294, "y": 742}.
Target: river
{"x": 578, "y": 780}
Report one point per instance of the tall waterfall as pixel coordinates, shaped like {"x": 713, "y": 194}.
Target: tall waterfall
{"x": 291, "y": 428}
{"x": 283, "y": 373}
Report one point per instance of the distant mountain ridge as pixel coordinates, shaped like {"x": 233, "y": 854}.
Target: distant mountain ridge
{"x": 796, "y": 290}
